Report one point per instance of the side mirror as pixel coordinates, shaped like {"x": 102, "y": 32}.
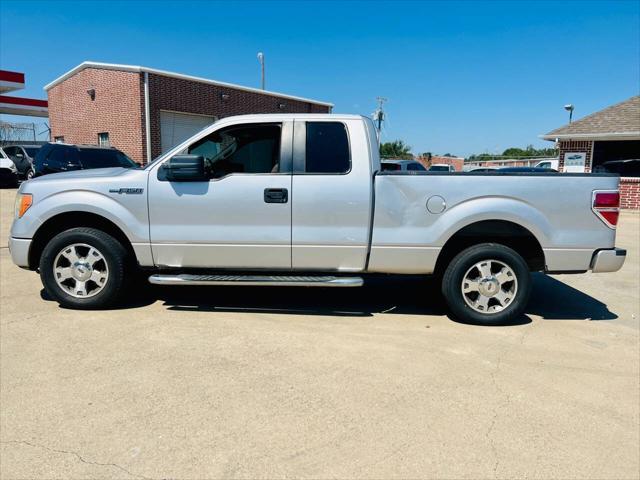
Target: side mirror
{"x": 185, "y": 168}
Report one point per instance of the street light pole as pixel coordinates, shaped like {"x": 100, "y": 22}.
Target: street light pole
{"x": 569, "y": 108}
{"x": 379, "y": 113}
{"x": 261, "y": 59}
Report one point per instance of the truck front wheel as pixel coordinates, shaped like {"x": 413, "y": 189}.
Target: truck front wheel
{"x": 83, "y": 268}
{"x": 487, "y": 284}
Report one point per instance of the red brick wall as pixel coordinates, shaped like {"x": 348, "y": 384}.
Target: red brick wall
{"x": 116, "y": 109}
{"x": 168, "y": 93}
{"x": 630, "y": 193}
{"x": 575, "y": 146}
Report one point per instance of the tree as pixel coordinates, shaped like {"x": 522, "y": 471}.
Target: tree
{"x": 530, "y": 151}
{"x": 516, "y": 152}
{"x": 395, "y": 149}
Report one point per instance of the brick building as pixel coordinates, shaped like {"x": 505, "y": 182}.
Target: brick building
{"x": 144, "y": 112}
{"x": 609, "y": 135}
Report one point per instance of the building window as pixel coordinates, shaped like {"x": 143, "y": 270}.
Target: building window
{"x": 103, "y": 139}
{"x": 59, "y": 139}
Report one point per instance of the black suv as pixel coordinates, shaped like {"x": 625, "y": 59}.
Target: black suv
{"x": 62, "y": 157}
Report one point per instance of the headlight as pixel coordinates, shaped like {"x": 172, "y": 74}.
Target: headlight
{"x": 23, "y": 202}
{"x": 12, "y": 167}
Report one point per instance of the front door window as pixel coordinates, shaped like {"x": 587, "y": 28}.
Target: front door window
{"x": 253, "y": 148}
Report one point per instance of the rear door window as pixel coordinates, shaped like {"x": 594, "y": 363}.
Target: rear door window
{"x": 327, "y": 148}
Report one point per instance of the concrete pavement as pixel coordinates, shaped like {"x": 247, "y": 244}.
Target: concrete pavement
{"x": 376, "y": 382}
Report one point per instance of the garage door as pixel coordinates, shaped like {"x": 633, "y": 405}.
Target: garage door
{"x": 177, "y": 127}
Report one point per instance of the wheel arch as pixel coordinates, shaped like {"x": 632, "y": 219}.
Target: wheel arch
{"x": 503, "y": 232}
{"x": 67, "y": 220}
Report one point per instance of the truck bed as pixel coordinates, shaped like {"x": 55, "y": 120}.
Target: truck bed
{"x": 555, "y": 208}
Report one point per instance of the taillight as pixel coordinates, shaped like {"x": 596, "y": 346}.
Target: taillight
{"x": 606, "y": 205}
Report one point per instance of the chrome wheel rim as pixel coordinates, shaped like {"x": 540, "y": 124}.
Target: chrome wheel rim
{"x": 489, "y": 286}
{"x": 80, "y": 270}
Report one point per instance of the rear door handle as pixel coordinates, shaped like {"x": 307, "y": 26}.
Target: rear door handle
{"x": 276, "y": 195}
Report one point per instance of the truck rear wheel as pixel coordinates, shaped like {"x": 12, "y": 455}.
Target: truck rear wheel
{"x": 83, "y": 268}
{"x": 487, "y": 284}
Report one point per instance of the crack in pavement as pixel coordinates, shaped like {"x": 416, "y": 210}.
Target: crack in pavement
{"x": 507, "y": 397}
{"x": 23, "y": 319}
{"x": 497, "y": 411}
{"x": 77, "y": 455}
{"x": 493, "y": 420}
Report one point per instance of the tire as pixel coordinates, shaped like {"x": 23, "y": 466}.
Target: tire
{"x": 30, "y": 174}
{"x": 506, "y": 284}
{"x": 96, "y": 281}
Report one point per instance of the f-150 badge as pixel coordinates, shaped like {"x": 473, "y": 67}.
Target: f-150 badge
{"x": 127, "y": 191}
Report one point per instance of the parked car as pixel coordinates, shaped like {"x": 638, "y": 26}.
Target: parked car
{"x": 248, "y": 202}
{"x": 23, "y": 156}
{"x": 624, "y": 168}
{"x": 552, "y": 164}
{"x": 526, "y": 170}
{"x": 402, "y": 165}
{"x": 63, "y": 157}
{"x": 441, "y": 167}
{"x": 8, "y": 171}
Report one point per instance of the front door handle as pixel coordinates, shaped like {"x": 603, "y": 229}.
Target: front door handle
{"x": 276, "y": 195}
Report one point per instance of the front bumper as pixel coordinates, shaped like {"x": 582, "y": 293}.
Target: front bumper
{"x": 609, "y": 260}
{"x": 19, "y": 248}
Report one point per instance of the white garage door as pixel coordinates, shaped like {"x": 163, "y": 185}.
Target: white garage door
{"x": 177, "y": 127}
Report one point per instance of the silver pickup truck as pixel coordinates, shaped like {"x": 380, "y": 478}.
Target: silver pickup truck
{"x": 300, "y": 200}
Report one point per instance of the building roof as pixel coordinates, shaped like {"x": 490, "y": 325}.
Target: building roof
{"x": 140, "y": 69}
{"x": 617, "y": 122}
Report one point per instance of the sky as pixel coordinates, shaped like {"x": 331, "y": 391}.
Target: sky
{"x": 460, "y": 77}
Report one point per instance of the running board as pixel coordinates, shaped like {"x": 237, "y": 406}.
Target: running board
{"x": 257, "y": 280}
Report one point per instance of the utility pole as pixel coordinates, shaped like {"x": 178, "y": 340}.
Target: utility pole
{"x": 378, "y": 115}
{"x": 261, "y": 60}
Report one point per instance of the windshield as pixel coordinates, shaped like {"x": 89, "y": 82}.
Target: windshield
{"x": 163, "y": 154}
{"x": 99, "y": 158}
{"x": 31, "y": 151}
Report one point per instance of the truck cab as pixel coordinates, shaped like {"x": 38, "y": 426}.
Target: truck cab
{"x": 289, "y": 193}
